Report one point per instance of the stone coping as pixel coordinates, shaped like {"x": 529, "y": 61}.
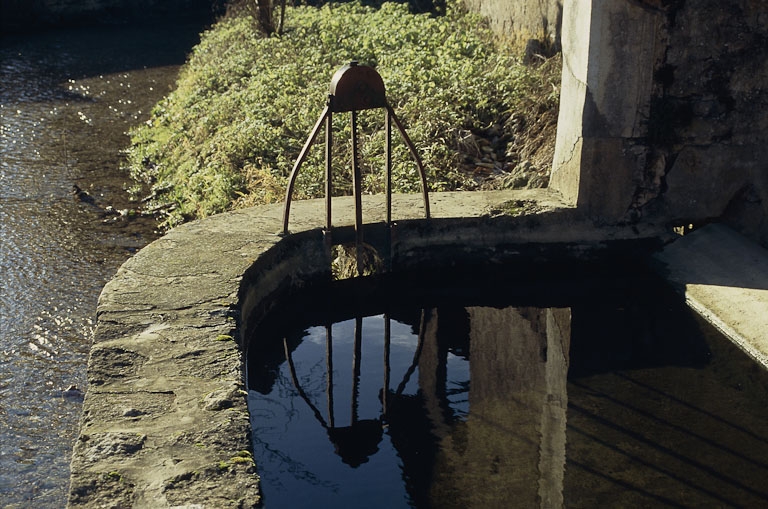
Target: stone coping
{"x": 165, "y": 421}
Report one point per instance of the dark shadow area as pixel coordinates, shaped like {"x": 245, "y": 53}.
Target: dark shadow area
{"x": 715, "y": 255}
{"x": 622, "y": 318}
{"x": 648, "y": 327}
{"x": 689, "y": 431}
{"x": 37, "y": 16}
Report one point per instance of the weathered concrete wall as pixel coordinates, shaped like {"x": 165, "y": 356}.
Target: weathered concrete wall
{"x": 20, "y": 15}
{"x": 708, "y": 125}
{"x": 662, "y": 113}
{"x": 608, "y": 60}
{"x": 522, "y": 19}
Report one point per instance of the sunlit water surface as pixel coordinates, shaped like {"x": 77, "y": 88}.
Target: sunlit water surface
{"x": 67, "y": 99}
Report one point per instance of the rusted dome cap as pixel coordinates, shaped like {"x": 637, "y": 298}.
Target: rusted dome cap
{"x": 357, "y": 87}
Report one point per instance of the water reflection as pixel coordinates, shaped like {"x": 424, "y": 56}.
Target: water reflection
{"x": 510, "y": 440}
{"x": 356, "y": 442}
{"x": 465, "y": 416}
{"x": 487, "y": 406}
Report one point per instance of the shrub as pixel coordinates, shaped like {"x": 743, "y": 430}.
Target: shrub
{"x": 244, "y": 105}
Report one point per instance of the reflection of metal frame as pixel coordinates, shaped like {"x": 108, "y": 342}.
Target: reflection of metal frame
{"x": 354, "y": 443}
{"x": 517, "y": 426}
{"x": 354, "y": 88}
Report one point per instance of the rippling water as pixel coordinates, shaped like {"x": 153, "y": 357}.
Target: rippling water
{"x": 67, "y": 99}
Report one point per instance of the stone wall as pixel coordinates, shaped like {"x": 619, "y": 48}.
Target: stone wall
{"x": 662, "y": 114}
{"x": 708, "y": 125}
{"x": 522, "y": 19}
{"x": 21, "y": 15}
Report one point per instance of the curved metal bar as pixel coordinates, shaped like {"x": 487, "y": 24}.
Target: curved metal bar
{"x": 295, "y": 379}
{"x": 367, "y": 93}
{"x": 297, "y": 165}
{"x": 416, "y": 354}
{"x": 328, "y": 182}
{"x": 415, "y": 155}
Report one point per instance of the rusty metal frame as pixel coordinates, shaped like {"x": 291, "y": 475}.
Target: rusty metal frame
{"x": 353, "y": 88}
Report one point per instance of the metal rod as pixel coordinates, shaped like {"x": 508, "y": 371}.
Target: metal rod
{"x": 416, "y": 354}
{"x": 295, "y": 379}
{"x": 328, "y": 183}
{"x": 297, "y": 165}
{"x": 388, "y": 164}
{"x": 357, "y": 185}
{"x": 415, "y": 155}
{"x": 329, "y": 371}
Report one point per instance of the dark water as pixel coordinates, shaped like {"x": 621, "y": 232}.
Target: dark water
{"x": 613, "y": 396}
{"x": 67, "y": 98}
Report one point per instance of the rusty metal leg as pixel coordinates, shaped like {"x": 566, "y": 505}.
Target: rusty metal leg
{"x": 388, "y": 164}
{"x": 295, "y": 379}
{"x": 388, "y": 176}
{"x": 416, "y": 355}
{"x": 297, "y": 165}
{"x": 416, "y": 158}
{"x": 357, "y": 185}
{"x": 327, "y": 234}
{"x": 328, "y": 181}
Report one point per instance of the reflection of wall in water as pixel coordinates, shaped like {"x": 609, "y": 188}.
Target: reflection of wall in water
{"x": 512, "y": 445}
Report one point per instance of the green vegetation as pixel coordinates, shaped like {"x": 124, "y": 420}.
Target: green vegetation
{"x": 245, "y": 103}
{"x": 242, "y": 458}
{"x": 114, "y": 476}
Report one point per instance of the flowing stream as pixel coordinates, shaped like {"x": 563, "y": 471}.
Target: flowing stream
{"x": 67, "y": 99}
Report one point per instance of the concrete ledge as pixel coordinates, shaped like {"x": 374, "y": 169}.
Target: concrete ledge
{"x": 724, "y": 277}
{"x": 165, "y": 421}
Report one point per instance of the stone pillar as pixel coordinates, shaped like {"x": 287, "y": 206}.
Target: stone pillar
{"x": 609, "y": 54}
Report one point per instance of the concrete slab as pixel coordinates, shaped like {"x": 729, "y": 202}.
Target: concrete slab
{"x": 724, "y": 277}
